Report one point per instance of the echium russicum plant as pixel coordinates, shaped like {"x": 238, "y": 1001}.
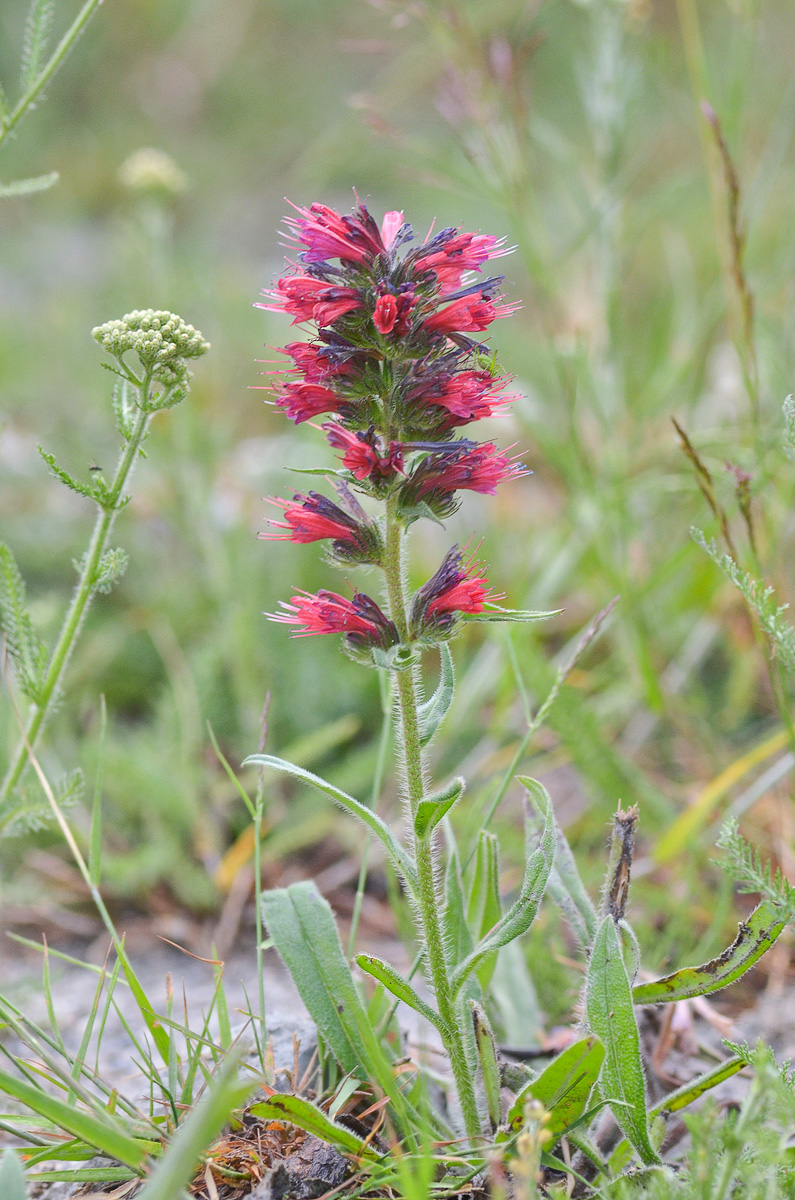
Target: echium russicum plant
{"x": 397, "y": 368}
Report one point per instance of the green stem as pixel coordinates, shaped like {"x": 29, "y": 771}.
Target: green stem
{"x": 82, "y": 597}
{"x": 429, "y": 899}
{"x": 59, "y": 54}
{"x": 378, "y": 783}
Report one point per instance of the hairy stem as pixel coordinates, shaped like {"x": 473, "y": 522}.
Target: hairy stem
{"x": 82, "y": 597}
{"x": 429, "y": 899}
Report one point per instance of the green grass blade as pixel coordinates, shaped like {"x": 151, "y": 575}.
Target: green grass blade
{"x": 611, "y": 1016}
{"x": 754, "y": 938}
{"x": 106, "y": 1137}
{"x": 95, "y": 841}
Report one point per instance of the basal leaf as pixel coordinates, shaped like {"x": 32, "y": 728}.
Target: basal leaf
{"x": 563, "y": 1087}
{"x": 611, "y": 1016}
{"x": 488, "y": 1059}
{"x": 754, "y": 938}
{"x": 297, "y": 1111}
{"x": 484, "y": 908}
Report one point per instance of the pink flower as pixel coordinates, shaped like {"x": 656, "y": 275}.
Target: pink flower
{"x": 457, "y": 587}
{"x": 469, "y": 396}
{"x": 313, "y": 361}
{"x": 301, "y": 401}
{"x": 313, "y": 518}
{"x": 386, "y": 314}
{"x": 390, "y": 227}
{"x": 452, "y": 253}
{"x": 362, "y": 454}
{"x": 360, "y": 619}
{"x": 469, "y": 466}
{"x": 468, "y": 314}
{"x": 309, "y": 299}
{"x": 326, "y": 234}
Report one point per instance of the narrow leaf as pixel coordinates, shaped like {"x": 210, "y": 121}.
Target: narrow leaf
{"x": 434, "y": 710}
{"x": 563, "y": 1087}
{"x": 398, "y": 986}
{"x": 610, "y": 1015}
{"x": 103, "y": 1135}
{"x": 484, "y": 909}
{"x": 489, "y": 1062}
{"x": 493, "y": 613}
{"x": 309, "y": 1117}
{"x": 28, "y": 187}
{"x": 396, "y": 852}
{"x": 431, "y": 810}
{"x": 754, "y": 938}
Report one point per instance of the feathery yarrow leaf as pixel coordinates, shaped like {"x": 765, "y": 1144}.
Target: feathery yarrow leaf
{"x": 34, "y": 42}
{"x": 28, "y": 652}
{"x": 743, "y": 862}
{"x": 789, "y": 428}
{"x": 759, "y": 597}
{"x": 96, "y": 490}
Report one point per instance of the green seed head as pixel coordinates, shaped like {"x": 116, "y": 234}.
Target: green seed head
{"x": 161, "y": 340}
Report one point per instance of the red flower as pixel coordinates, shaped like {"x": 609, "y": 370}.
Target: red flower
{"x": 313, "y": 518}
{"x": 363, "y": 455}
{"x": 391, "y": 227}
{"x": 309, "y": 299}
{"x": 457, "y": 587}
{"x": 469, "y": 466}
{"x": 386, "y": 314}
{"x": 313, "y": 361}
{"x": 469, "y": 396}
{"x": 301, "y": 401}
{"x": 452, "y": 253}
{"x": 326, "y": 234}
{"x": 468, "y": 314}
{"x": 360, "y": 619}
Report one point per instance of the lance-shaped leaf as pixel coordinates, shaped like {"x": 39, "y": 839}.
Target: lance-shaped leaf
{"x": 611, "y": 1016}
{"x": 458, "y": 938}
{"x": 563, "y": 1087}
{"x": 309, "y": 1117}
{"x": 29, "y": 186}
{"x": 303, "y": 929}
{"x": 434, "y": 710}
{"x": 400, "y": 858}
{"x": 493, "y": 612}
{"x": 399, "y": 987}
{"x": 484, "y": 908}
{"x": 486, "y": 1046}
{"x": 431, "y": 810}
{"x": 520, "y": 916}
{"x": 565, "y": 885}
{"x": 754, "y": 938}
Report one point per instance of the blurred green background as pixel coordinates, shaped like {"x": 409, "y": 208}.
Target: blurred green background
{"x": 574, "y": 129}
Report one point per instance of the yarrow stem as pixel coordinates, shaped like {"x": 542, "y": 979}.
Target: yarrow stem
{"x": 162, "y": 341}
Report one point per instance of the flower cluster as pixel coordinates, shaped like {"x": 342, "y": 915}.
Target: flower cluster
{"x": 393, "y": 366}
{"x": 161, "y": 340}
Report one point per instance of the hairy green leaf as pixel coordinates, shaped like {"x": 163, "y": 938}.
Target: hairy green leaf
{"x": 492, "y": 613}
{"x": 563, "y": 1087}
{"x": 611, "y": 1016}
{"x": 90, "y": 490}
{"x": 434, "y": 710}
{"x": 400, "y": 858}
{"x": 12, "y": 1178}
{"x": 398, "y": 986}
{"x": 26, "y": 649}
{"x": 309, "y": 1117}
{"x": 754, "y": 938}
{"x": 303, "y": 929}
{"x": 520, "y": 916}
{"x": 486, "y": 1046}
{"x": 431, "y": 810}
{"x": 484, "y": 908}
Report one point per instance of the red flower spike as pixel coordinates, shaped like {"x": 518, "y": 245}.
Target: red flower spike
{"x": 360, "y": 619}
{"x": 450, "y": 257}
{"x": 362, "y": 454}
{"x": 469, "y": 466}
{"x": 301, "y": 401}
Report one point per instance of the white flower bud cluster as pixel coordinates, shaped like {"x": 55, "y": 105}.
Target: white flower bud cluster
{"x": 160, "y": 339}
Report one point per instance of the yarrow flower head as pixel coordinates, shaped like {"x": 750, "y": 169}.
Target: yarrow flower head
{"x": 394, "y": 358}
{"x": 161, "y": 340}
